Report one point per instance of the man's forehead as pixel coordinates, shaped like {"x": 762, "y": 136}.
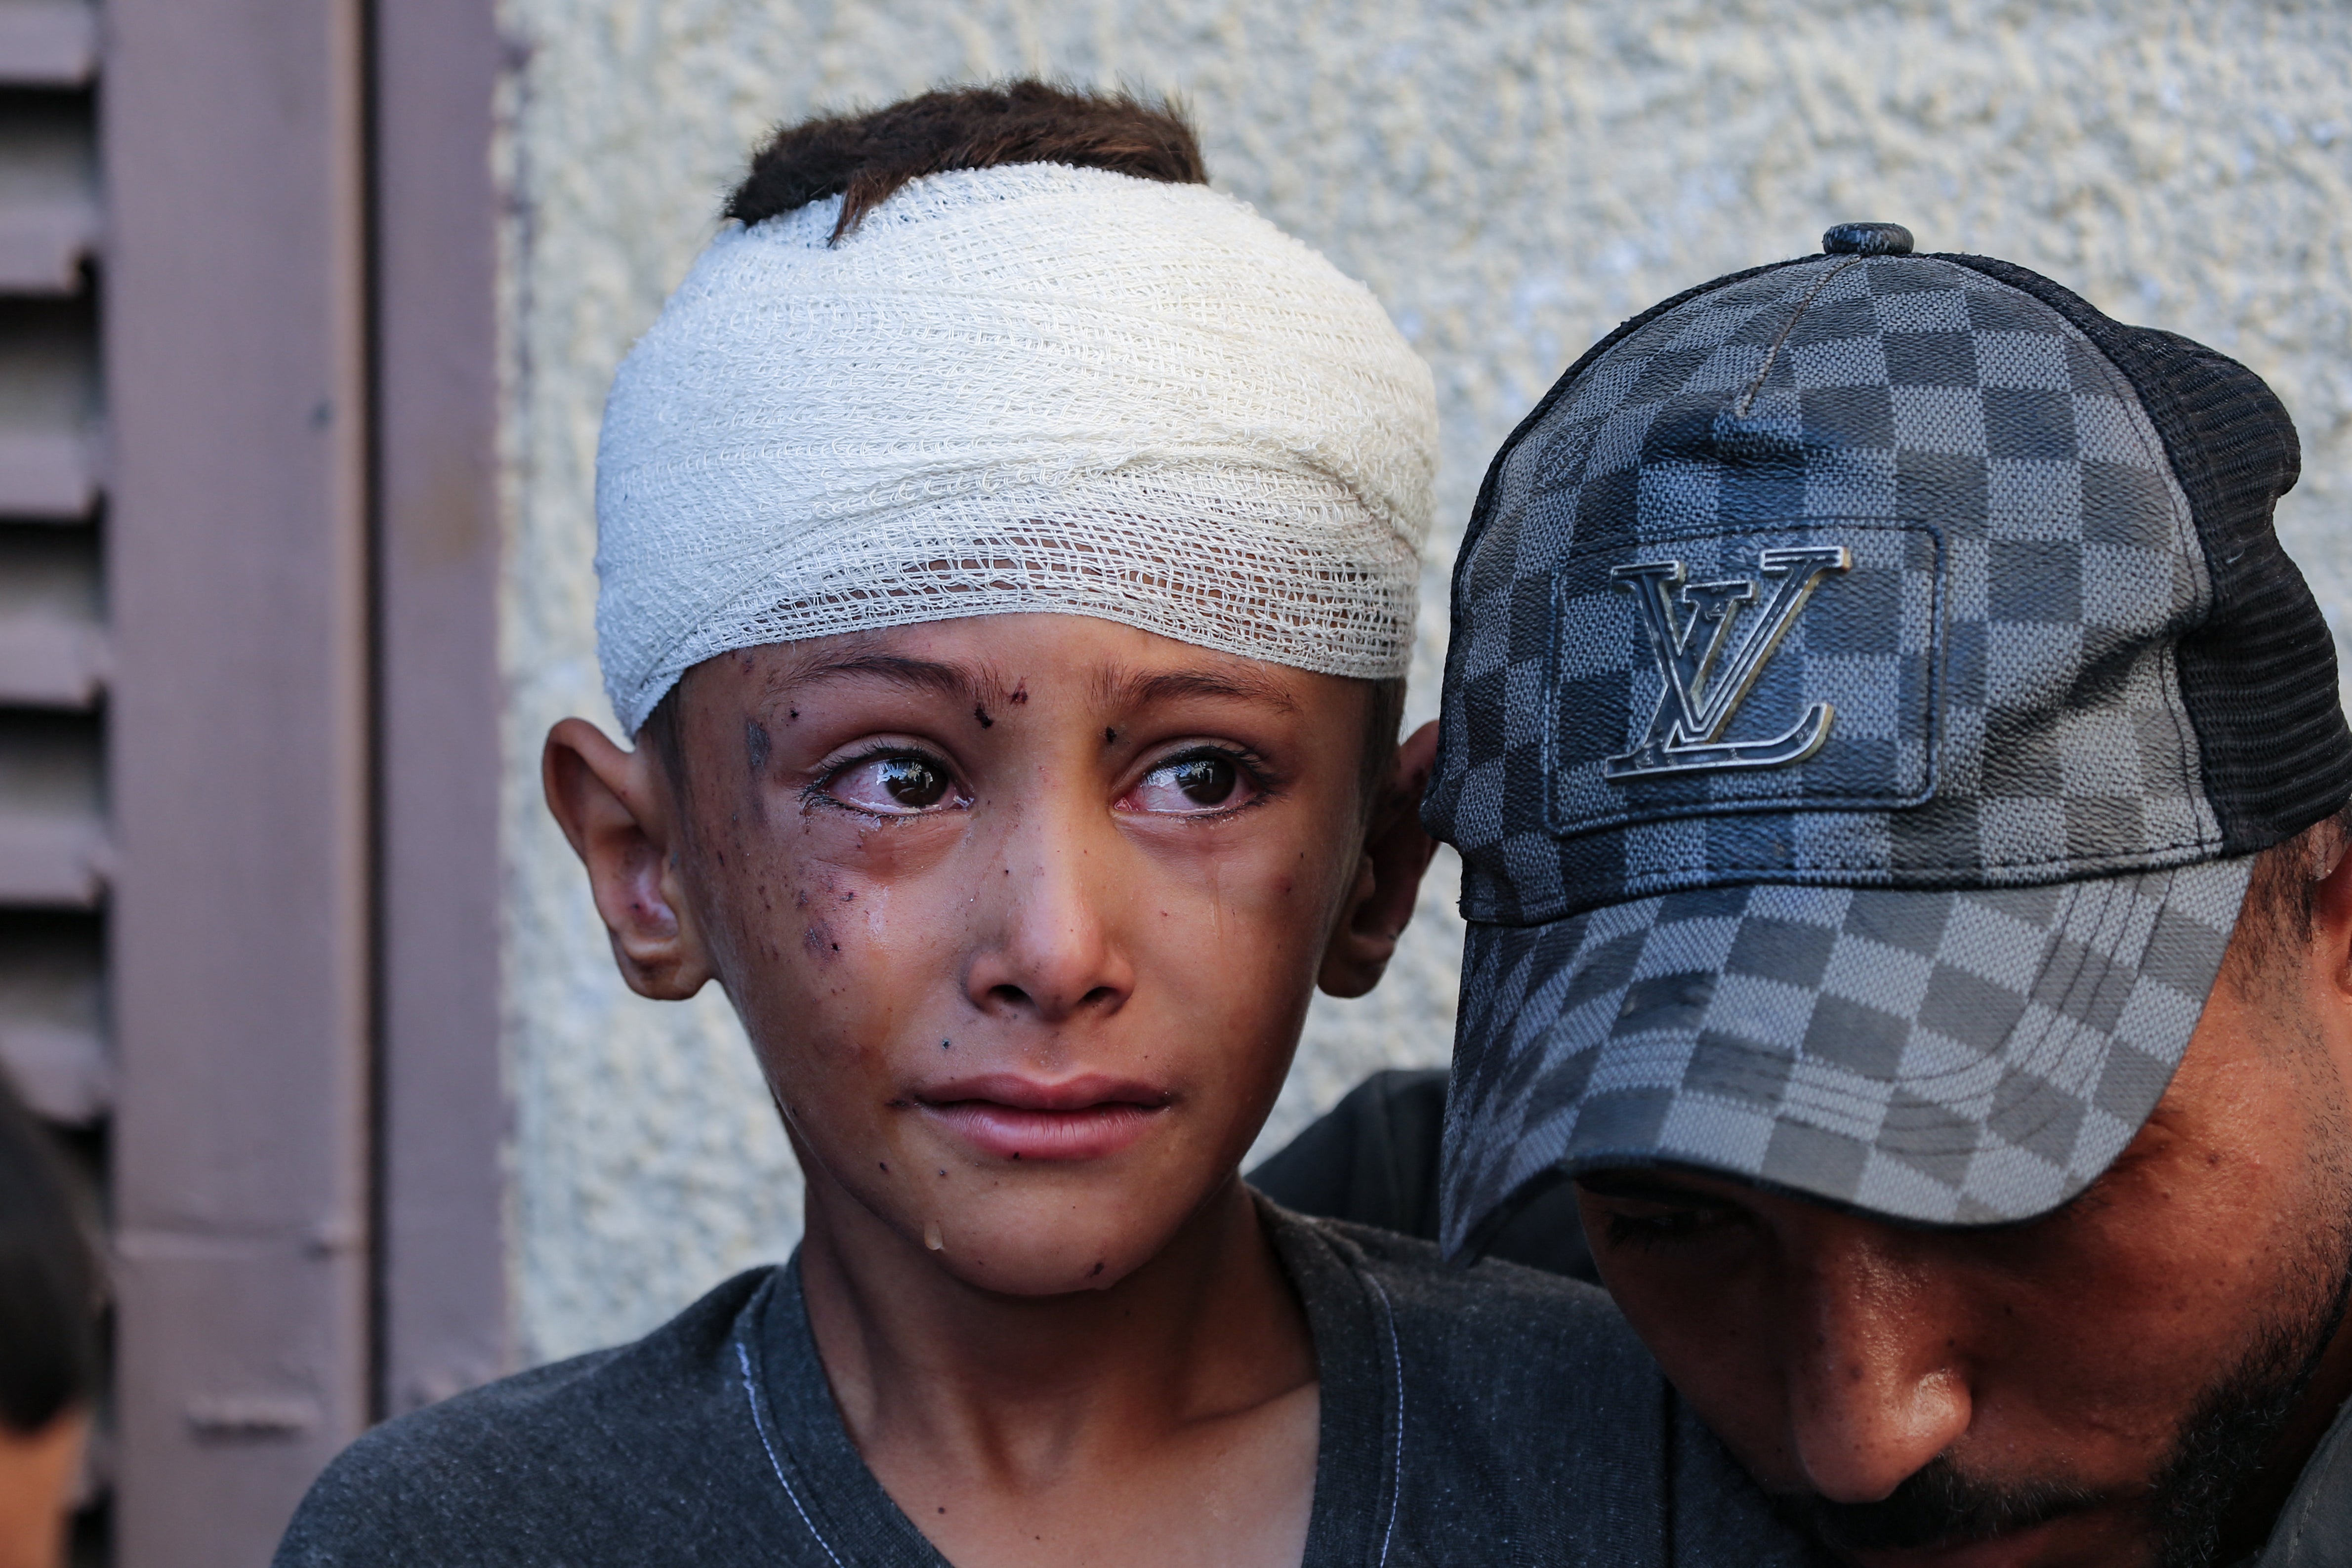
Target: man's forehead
{"x": 1667, "y": 1184}
{"x": 1627, "y": 1180}
{"x": 1679, "y": 1185}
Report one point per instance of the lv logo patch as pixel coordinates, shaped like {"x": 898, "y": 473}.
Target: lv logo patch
{"x": 1710, "y": 650}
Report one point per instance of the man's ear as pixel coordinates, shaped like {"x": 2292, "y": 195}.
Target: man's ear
{"x": 1397, "y": 851}
{"x": 2332, "y": 911}
{"x": 617, "y": 811}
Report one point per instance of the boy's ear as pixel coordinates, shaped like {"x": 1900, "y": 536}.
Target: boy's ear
{"x": 616, "y": 810}
{"x": 1397, "y": 851}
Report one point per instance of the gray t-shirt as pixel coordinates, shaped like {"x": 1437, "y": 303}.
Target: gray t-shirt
{"x": 1483, "y": 1418}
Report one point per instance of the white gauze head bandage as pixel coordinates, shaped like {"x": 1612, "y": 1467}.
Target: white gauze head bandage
{"x": 1026, "y": 388}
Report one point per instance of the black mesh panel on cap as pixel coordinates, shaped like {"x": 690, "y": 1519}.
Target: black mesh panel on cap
{"x": 2259, "y": 676}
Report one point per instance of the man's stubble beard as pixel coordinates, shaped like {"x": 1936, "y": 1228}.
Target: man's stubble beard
{"x": 2221, "y": 1454}
{"x": 2224, "y": 1443}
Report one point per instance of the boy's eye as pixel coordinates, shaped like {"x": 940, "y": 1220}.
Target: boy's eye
{"x": 912, "y": 782}
{"x": 896, "y": 786}
{"x": 1203, "y": 781}
{"x": 1190, "y": 785}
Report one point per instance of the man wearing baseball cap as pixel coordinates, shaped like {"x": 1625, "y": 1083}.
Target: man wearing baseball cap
{"x": 1901, "y": 787}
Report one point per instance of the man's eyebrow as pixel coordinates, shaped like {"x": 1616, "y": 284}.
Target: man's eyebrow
{"x": 1135, "y": 689}
{"x": 1642, "y": 1187}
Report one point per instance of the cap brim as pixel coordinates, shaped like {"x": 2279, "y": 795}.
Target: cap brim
{"x": 1945, "y": 1058}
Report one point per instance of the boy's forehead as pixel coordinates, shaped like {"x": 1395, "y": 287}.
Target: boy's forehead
{"x": 1008, "y": 657}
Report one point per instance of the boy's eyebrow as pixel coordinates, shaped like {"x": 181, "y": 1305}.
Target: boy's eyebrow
{"x": 920, "y": 674}
{"x": 1119, "y": 690}
{"x": 1135, "y": 689}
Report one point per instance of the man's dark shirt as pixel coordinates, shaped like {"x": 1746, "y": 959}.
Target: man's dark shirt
{"x": 1372, "y": 1160}
{"x": 2315, "y": 1528}
{"x": 1488, "y": 1417}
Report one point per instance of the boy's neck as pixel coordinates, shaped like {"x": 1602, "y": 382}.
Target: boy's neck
{"x": 929, "y": 1371}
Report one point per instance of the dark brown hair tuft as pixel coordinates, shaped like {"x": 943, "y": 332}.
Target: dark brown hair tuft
{"x": 865, "y": 158}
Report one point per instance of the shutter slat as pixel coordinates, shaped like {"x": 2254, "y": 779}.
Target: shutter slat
{"x": 55, "y": 858}
{"x": 49, "y": 221}
{"x": 52, "y": 1015}
{"x": 44, "y": 240}
{"x": 47, "y": 662}
{"x": 62, "y": 1073}
{"x": 48, "y": 45}
{"x": 52, "y": 860}
{"x": 48, "y": 409}
{"x": 47, "y": 476}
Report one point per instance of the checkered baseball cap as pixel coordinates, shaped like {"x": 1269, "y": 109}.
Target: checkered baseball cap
{"x": 1871, "y": 675}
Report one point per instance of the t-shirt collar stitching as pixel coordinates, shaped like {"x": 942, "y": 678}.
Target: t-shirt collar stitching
{"x": 776, "y": 1312}
{"x": 1317, "y": 1258}
{"x": 1396, "y": 1451}
{"x": 745, "y": 1357}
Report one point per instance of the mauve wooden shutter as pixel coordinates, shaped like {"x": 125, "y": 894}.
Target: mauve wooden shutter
{"x": 441, "y": 1109}
{"x": 248, "y": 719}
{"x": 54, "y": 659}
{"x": 235, "y": 338}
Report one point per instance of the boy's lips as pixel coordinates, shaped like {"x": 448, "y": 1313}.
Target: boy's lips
{"x": 1013, "y": 1118}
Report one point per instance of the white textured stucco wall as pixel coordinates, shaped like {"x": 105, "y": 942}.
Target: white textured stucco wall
{"x": 1512, "y": 179}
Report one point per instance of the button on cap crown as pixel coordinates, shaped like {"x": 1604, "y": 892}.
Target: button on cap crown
{"x": 1867, "y": 239}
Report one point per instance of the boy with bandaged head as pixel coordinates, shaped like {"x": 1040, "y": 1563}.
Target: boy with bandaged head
{"x": 1008, "y": 550}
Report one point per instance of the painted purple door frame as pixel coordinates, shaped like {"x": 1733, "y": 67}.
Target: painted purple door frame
{"x": 234, "y": 319}
{"x": 302, "y": 544}
{"x": 442, "y": 1110}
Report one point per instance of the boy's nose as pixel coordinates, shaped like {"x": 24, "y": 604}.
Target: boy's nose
{"x": 1875, "y": 1388}
{"x": 1046, "y": 944}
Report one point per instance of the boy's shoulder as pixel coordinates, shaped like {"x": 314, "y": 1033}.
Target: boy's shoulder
{"x": 1490, "y": 1305}
{"x": 647, "y": 1452}
{"x": 1531, "y": 1364}
{"x": 1528, "y": 1416}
